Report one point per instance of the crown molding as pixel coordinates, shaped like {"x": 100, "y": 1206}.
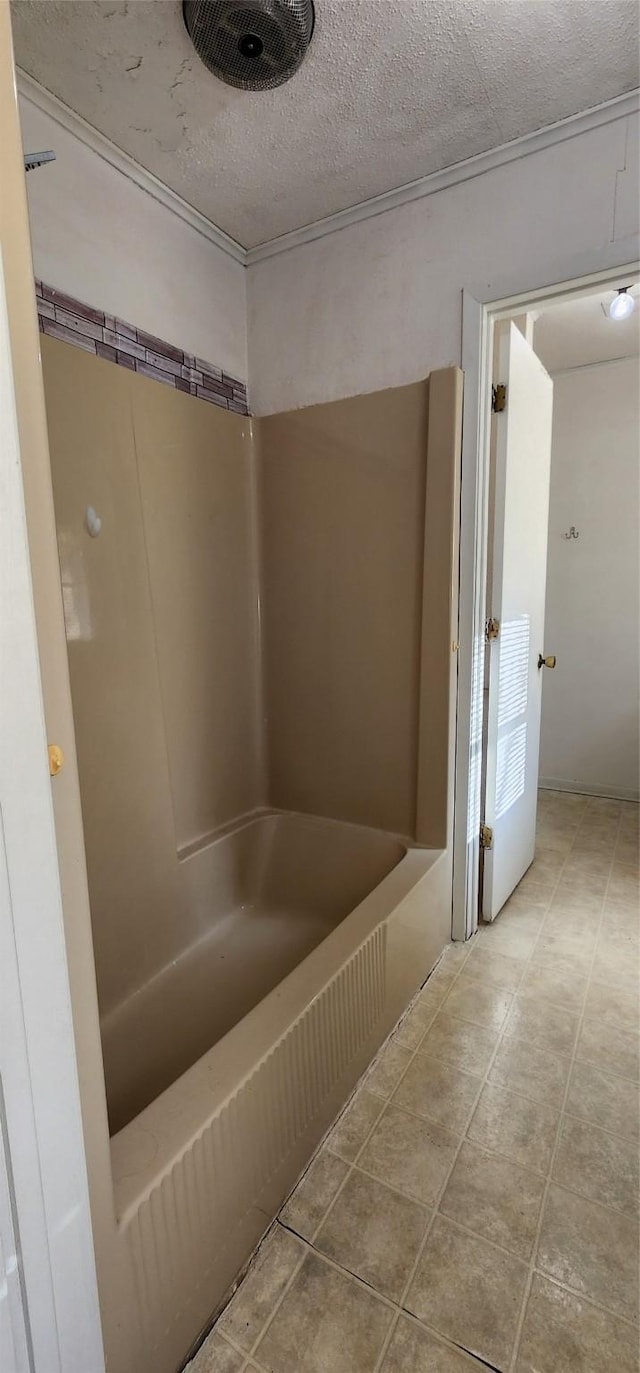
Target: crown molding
{"x": 619, "y": 108}
{"x": 74, "y": 123}
{"x": 547, "y": 137}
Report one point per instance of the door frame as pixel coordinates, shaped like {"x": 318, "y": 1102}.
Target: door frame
{"x": 49, "y": 1312}
{"x": 479, "y": 318}
{"x": 48, "y": 1296}
{"x": 49, "y": 1317}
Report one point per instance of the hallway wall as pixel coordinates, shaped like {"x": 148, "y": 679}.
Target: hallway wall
{"x": 590, "y": 703}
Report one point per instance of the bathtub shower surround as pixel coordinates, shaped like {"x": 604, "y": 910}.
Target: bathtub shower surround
{"x": 343, "y": 512}
{"x": 262, "y": 679}
{"x": 161, "y": 623}
{"x": 63, "y": 317}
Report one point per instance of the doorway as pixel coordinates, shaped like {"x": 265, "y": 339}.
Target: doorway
{"x": 559, "y": 439}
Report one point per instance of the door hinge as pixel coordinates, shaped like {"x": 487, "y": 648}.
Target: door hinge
{"x": 491, "y": 630}
{"x": 498, "y": 398}
{"x": 56, "y": 759}
{"x": 486, "y": 837}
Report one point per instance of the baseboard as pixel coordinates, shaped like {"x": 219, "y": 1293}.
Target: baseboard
{"x": 588, "y": 789}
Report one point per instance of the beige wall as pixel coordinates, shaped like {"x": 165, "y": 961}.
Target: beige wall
{"x": 342, "y": 500}
{"x": 161, "y": 618}
{"x": 593, "y": 604}
{"x": 197, "y": 493}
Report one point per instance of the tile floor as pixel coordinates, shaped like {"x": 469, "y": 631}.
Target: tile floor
{"x": 479, "y": 1194}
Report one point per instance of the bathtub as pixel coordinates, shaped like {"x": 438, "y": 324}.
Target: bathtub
{"x": 260, "y": 898}
{"x": 224, "y": 1071}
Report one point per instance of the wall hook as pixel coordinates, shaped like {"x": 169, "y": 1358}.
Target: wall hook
{"x": 573, "y": 533}
{"x": 92, "y": 521}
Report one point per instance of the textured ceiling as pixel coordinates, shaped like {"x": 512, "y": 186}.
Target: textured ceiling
{"x": 390, "y": 91}
{"x": 580, "y": 332}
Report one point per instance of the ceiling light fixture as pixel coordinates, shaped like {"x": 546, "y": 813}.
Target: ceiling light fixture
{"x": 622, "y": 304}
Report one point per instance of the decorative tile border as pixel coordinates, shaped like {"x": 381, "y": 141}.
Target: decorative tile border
{"x": 68, "y": 319}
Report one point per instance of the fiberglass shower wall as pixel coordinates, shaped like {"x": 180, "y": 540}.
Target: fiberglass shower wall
{"x": 358, "y": 520}
{"x": 161, "y": 619}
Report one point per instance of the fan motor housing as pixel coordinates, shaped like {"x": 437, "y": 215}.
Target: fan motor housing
{"x": 254, "y": 45}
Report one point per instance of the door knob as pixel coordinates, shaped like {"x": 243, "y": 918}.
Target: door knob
{"x": 547, "y": 662}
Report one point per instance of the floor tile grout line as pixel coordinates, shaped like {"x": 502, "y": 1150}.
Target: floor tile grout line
{"x": 308, "y": 1248}
{"x": 397, "y": 1191}
{"x": 445, "y": 1063}
{"x": 430, "y": 1058}
{"x": 482, "y": 1082}
{"x": 417, "y": 1049}
{"x": 362, "y": 1085}
{"x": 289, "y": 1283}
{"x": 386, "y": 1343}
{"x": 444, "y": 1340}
{"x": 412, "y": 1272}
{"x": 527, "y": 1289}
{"x": 324, "y": 1144}
{"x": 228, "y": 1339}
{"x": 474, "y": 1234}
{"x": 500, "y": 1040}
{"x": 399, "y": 1310}
{"x": 249, "y": 1366}
{"x": 445, "y": 1182}
{"x": 537, "y": 1000}
{"x": 589, "y": 1301}
{"x": 611, "y": 987}
{"x": 395, "y": 1306}
{"x": 569, "y": 1077}
{"x": 585, "y": 1120}
{"x": 538, "y": 1175}
{"x": 359, "y": 1086}
{"x": 342, "y": 1268}
{"x": 609, "y": 1072}
{"x": 534, "y": 1257}
{"x": 433, "y": 1207}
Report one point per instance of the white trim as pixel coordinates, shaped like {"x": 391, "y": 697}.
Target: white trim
{"x": 547, "y": 137}
{"x": 470, "y": 613}
{"x": 609, "y": 273}
{"x": 588, "y": 789}
{"x": 591, "y": 366}
{"x": 50, "y": 1239}
{"x": 74, "y": 124}
{"x": 478, "y": 319}
{"x": 621, "y": 108}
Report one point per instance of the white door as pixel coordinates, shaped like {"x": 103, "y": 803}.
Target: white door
{"x": 516, "y": 600}
{"x": 49, "y": 1316}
